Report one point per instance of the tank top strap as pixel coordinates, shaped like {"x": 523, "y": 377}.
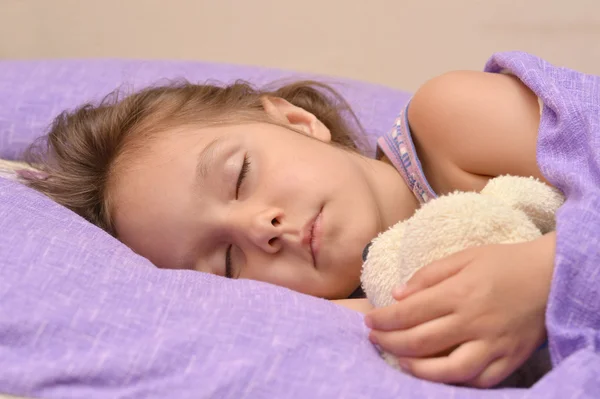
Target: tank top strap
{"x": 398, "y": 146}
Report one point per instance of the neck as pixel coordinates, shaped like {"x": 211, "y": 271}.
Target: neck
{"x": 396, "y": 200}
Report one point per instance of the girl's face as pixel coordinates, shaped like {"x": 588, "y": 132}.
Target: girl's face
{"x": 258, "y": 201}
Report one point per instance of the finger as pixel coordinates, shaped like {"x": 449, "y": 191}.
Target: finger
{"x": 417, "y": 309}
{"x": 494, "y": 374}
{"x": 463, "y": 364}
{"x": 427, "y": 339}
{"x": 434, "y": 273}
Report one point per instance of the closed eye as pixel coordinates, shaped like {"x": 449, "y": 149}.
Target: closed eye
{"x": 228, "y": 268}
{"x": 243, "y": 173}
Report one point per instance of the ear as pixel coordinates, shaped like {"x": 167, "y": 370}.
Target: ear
{"x": 296, "y": 117}
{"x": 538, "y": 200}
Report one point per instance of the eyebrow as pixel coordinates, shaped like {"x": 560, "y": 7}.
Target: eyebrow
{"x": 204, "y": 163}
{"x": 206, "y": 159}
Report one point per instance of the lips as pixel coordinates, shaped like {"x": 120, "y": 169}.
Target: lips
{"x": 312, "y": 236}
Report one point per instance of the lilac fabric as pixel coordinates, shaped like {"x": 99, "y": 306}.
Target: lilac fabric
{"x": 81, "y": 316}
{"x": 568, "y": 154}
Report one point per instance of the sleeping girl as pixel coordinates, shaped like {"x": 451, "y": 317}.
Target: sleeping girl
{"x": 271, "y": 185}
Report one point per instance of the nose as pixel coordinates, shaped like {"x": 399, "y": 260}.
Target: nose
{"x": 263, "y": 229}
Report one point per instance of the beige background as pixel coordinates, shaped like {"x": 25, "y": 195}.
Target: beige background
{"x": 399, "y": 43}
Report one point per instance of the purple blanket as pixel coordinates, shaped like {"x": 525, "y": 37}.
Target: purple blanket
{"x": 81, "y": 316}
{"x": 568, "y": 154}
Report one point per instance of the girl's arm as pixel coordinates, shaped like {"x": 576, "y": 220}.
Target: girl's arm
{"x": 471, "y": 126}
{"x": 475, "y": 316}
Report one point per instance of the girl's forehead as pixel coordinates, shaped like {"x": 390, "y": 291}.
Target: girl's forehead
{"x": 177, "y": 142}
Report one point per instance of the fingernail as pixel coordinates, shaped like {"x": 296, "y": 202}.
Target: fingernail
{"x": 399, "y": 289}
{"x": 368, "y": 322}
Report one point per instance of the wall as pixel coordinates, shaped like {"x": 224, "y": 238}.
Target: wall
{"x": 398, "y": 43}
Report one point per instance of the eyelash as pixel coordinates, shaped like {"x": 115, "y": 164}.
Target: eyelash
{"x": 228, "y": 271}
{"x": 243, "y": 173}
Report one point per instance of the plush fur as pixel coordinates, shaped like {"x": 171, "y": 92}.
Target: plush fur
{"x": 508, "y": 210}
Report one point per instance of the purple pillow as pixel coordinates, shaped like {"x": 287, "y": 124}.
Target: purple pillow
{"x": 82, "y": 316}
{"x": 33, "y": 93}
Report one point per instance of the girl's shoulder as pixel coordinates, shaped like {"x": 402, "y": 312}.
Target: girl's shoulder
{"x": 470, "y": 126}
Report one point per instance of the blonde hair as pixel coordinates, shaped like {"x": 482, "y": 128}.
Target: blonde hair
{"x": 79, "y": 155}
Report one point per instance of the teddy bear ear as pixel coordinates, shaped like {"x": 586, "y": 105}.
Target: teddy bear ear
{"x": 536, "y": 199}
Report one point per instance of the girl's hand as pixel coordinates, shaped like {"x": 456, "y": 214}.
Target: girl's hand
{"x": 473, "y": 317}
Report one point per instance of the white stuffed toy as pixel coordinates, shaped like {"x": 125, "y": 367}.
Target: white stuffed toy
{"x": 508, "y": 210}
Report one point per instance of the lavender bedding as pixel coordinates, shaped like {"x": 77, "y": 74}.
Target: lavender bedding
{"x": 81, "y": 316}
